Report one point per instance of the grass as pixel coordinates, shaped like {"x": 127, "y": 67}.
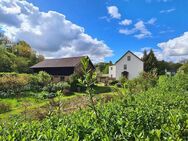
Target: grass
{"x": 35, "y": 102}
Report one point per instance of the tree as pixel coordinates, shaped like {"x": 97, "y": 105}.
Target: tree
{"x": 144, "y": 59}
{"x": 22, "y": 49}
{"x": 18, "y": 58}
{"x": 150, "y": 61}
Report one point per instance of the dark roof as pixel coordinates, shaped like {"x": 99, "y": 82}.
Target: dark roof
{"x": 126, "y": 54}
{"x": 59, "y": 63}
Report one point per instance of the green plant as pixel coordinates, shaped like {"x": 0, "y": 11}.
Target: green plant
{"x": 145, "y": 81}
{"x": 155, "y": 114}
{"x": 4, "y": 107}
{"x": 55, "y": 87}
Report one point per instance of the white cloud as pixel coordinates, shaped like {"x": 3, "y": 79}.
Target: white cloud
{"x": 144, "y": 32}
{"x": 114, "y": 12}
{"x": 173, "y": 50}
{"x": 167, "y": 10}
{"x": 127, "y": 31}
{"x": 175, "y": 47}
{"x": 152, "y": 21}
{"x": 50, "y": 33}
{"x": 126, "y": 22}
{"x": 140, "y": 31}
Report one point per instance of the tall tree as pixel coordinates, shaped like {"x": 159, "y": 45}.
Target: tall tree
{"x": 144, "y": 59}
{"x": 150, "y": 61}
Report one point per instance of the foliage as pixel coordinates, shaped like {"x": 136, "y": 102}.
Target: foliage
{"x": 55, "y": 87}
{"x": 102, "y": 89}
{"x": 150, "y": 61}
{"x": 103, "y": 67}
{"x": 142, "y": 83}
{"x": 178, "y": 82}
{"x": 167, "y": 66}
{"x": 14, "y": 84}
{"x": 74, "y": 84}
{"x": 4, "y": 107}
{"x": 113, "y": 82}
{"x": 184, "y": 68}
{"x": 18, "y": 58}
{"x": 156, "y": 114}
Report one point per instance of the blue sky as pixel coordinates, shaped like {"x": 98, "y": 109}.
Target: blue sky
{"x": 121, "y": 24}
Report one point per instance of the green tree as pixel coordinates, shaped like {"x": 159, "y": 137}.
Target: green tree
{"x": 150, "y": 61}
{"x": 144, "y": 59}
{"x": 18, "y": 58}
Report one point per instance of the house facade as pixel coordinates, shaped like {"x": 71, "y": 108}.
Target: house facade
{"x": 129, "y": 66}
{"x": 61, "y": 69}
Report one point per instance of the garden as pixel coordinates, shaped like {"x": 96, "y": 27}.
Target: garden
{"x": 149, "y": 107}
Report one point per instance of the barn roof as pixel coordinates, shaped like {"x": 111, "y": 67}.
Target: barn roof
{"x": 57, "y": 63}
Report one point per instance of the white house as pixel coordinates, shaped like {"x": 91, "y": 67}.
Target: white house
{"x": 129, "y": 65}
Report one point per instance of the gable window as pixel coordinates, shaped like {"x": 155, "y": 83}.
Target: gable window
{"x": 129, "y": 58}
{"x": 125, "y": 67}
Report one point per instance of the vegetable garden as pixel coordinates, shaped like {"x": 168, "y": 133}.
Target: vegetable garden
{"x": 158, "y": 112}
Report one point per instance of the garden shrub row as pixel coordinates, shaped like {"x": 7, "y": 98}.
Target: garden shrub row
{"x": 13, "y": 84}
{"x": 160, "y": 113}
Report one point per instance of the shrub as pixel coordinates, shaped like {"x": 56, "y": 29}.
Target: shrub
{"x": 13, "y": 84}
{"x": 142, "y": 83}
{"x": 184, "y": 68}
{"x": 43, "y": 78}
{"x": 74, "y": 84}
{"x": 54, "y": 87}
{"x": 38, "y": 81}
{"x": 172, "y": 83}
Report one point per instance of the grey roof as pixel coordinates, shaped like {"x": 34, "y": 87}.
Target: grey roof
{"x": 126, "y": 54}
{"x": 62, "y": 62}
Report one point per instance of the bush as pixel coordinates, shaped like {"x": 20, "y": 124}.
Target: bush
{"x": 184, "y": 68}
{"x": 55, "y": 87}
{"x": 173, "y": 83}
{"x": 142, "y": 83}
{"x": 4, "y": 107}
{"x": 11, "y": 85}
{"x": 14, "y": 84}
{"x": 74, "y": 84}
{"x": 38, "y": 81}
{"x": 43, "y": 78}
{"x": 151, "y": 115}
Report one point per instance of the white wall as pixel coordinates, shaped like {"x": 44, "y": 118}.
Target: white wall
{"x": 112, "y": 71}
{"x": 135, "y": 66}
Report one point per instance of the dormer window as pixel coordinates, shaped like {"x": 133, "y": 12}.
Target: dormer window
{"x": 128, "y": 58}
{"x": 125, "y": 67}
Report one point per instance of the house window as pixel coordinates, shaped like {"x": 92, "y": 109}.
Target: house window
{"x": 129, "y": 58}
{"x": 111, "y": 68}
{"x": 111, "y": 76}
{"x": 125, "y": 67}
